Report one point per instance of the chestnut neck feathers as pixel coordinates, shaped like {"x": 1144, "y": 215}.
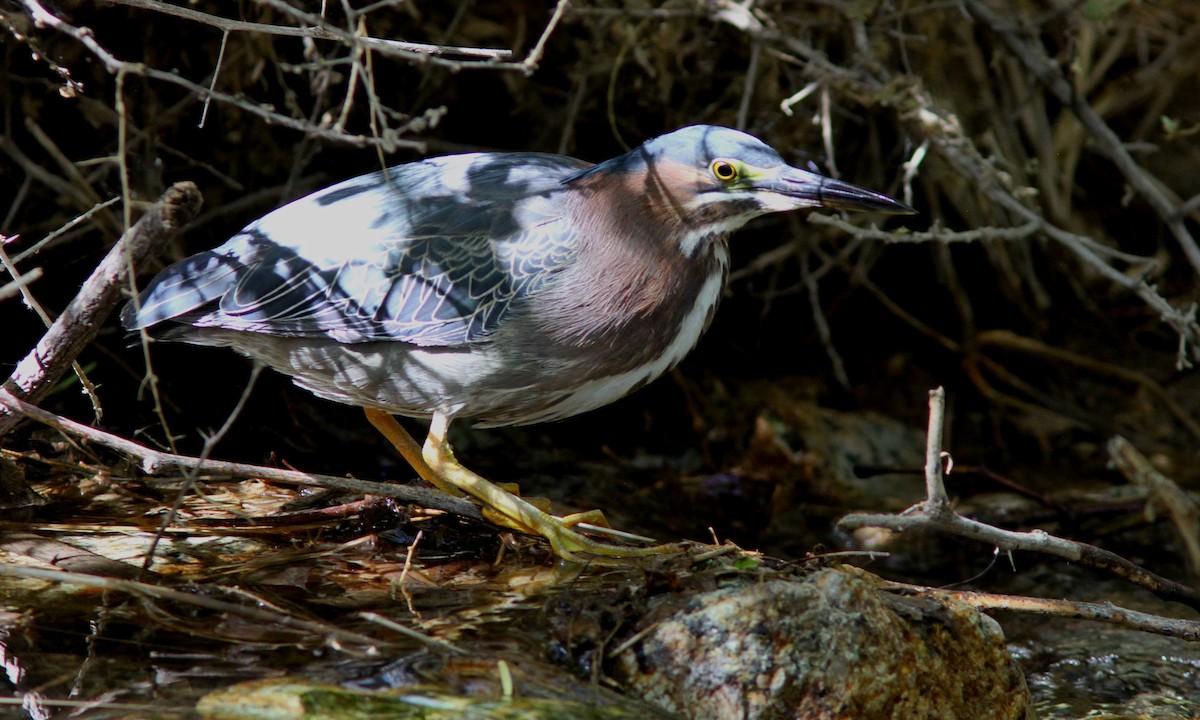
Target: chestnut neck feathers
{"x": 631, "y": 273}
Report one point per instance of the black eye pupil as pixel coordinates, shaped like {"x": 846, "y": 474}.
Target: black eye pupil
{"x": 724, "y": 171}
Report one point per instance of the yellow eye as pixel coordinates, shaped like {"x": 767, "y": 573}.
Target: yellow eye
{"x": 723, "y": 170}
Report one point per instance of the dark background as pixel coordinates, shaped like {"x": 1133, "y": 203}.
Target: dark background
{"x": 903, "y": 316}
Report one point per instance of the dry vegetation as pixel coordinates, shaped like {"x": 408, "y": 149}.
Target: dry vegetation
{"x": 1049, "y": 282}
{"x": 1049, "y": 151}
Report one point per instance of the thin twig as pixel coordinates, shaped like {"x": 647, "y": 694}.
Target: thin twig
{"x": 212, "y": 83}
{"x": 154, "y": 462}
{"x": 210, "y": 443}
{"x": 118, "y": 67}
{"x": 333, "y": 636}
{"x": 821, "y": 322}
{"x": 1181, "y": 507}
{"x": 936, "y": 502}
{"x": 936, "y": 513}
{"x": 383, "y": 46}
{"x": 84, "y": 193}
{"x": 1035, "y": 58}
{"x": 408, "y": 632}
{"x": 981, "y": 234}
{"x": 1038, "y": 541}
{"x": 1009, "y": 339}
{"x": 931, "y": 121}
{"x": 743, "y": 113}
{"x": 37, "y": 373}
{"x": 534, "y": 58}
{"x": 70, "y": 224}
{"x": 19, "y": 283}
{"x": 318, "y": 31}
{"x": 1102, "y": 612}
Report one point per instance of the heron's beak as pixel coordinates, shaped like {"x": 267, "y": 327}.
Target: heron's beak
{"x": 817, "y": 191}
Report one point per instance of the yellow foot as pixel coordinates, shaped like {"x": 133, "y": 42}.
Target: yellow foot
{"x": 589, "y": 521}
{"x": 593, "y": 518}
{"x": 540, "y": 503}
{"x": 436, "y": 464}
{"x": 567, "y": 542}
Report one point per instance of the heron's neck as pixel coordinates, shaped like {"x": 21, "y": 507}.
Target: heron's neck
{"x": 634, "y": 274}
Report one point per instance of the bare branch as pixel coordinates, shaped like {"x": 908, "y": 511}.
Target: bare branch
{"x": 1034, "y": 58}
{"x": 389, "y": 141}
{"x": 154, "y": 462}
{"x": 1106, "y": 612}
{"x": 1181, "y": 508}
{"x": 318, "y": 31}
{"x": 18, "y": 285}
{"x": 332, "y": 635}
{"x": 936, "y": 513}
{"x": 78, "y": 324}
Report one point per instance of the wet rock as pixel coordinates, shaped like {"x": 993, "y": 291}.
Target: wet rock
{"x": 831, "y": 646}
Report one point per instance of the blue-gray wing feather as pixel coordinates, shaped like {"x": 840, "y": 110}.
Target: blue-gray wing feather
{"x": 434, "y": 253}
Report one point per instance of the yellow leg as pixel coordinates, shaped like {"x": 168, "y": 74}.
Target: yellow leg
{"x": 437, "y": 465}
{"x": 408, "y": 449}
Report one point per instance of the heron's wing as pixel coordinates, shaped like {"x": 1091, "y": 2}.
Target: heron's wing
{"x": 433, "y": 253}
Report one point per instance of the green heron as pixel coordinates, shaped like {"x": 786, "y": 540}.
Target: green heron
{"x": 499, "y": 288}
